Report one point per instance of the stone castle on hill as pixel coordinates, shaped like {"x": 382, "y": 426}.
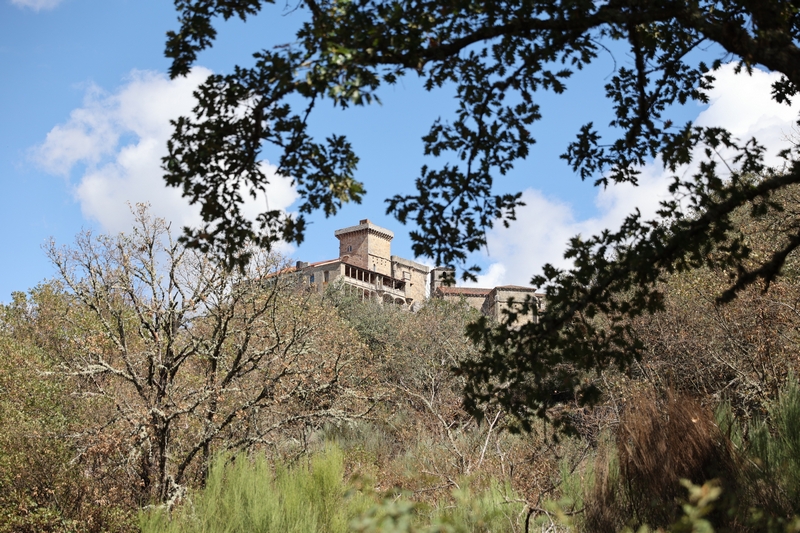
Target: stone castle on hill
{"x": 366, "y": 266}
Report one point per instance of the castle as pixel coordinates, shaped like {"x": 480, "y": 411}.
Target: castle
{"x": 366, "y": 266}
{"x": 490, "y": 302}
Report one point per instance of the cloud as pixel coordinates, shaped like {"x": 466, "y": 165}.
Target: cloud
{"x": 36, "y": 5}
{"x": 114, "y": 144}
{"x": 544, "y": 226}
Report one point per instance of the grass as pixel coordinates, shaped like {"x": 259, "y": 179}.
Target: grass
{"x": 248, "y": 494}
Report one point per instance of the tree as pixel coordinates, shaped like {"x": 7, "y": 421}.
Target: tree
{"x": 183, "y": 357}
{"x": 499, "y": 54}
{"x": 42, "y": 485}
{"x": 743, "y": 351}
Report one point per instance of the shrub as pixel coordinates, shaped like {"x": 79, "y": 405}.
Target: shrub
{"x": 495, "y": 509}
{"x": 247, "y": 494}
{"x": 769, "y": 458}
{"x": 660, "y": 441}
{"x": 47, "y": 483}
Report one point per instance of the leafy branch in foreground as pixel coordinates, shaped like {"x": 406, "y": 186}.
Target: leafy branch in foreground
{"x": 586, "y": 326}
{"x": 499, "y": 55}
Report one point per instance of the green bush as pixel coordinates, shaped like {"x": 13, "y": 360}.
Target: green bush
{"x": 770, "y": 458}
{"x": 249, "y": 494}
{"x": 496, "y": 509}
{"x": 492, "y": 510}
{"x": 246, "y": 494}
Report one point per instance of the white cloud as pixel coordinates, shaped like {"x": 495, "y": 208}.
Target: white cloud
{"x": 115, "y": 143}
{"x": 739, "y": 103}
{"x": 36, "y": 5}
{"x": 492, "y": 278}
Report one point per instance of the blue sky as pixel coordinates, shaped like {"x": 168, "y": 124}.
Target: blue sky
{"x": 85, "y": 104}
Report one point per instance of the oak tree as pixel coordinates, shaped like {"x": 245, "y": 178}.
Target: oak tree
{"x": 499, "y": 54}
{"x": 184, "y": 357}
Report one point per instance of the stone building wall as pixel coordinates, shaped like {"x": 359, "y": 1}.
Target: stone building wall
{"x": 442, "y": 277}
{"x": 472, "y": 296}
{"x": 367, "y": 268}
{"x": 367, "y": 246}
{"x": 319, "y": 275}
{"x": 414, "y": 274}
{"x": 511, "y": 297}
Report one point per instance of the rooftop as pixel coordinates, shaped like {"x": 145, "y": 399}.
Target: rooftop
{"x": 464, "y": 291}
{"x": 366, "y": 225}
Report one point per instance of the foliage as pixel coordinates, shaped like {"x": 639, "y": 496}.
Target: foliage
{"x": 697, "y": 508}
{"x": 185, "y": 356}
{"x": 247, "y": 494}
{"x": 751, "y": 464}
{"x": 741, "y": 351}
{"x": 250, "y": 494}
{"x": 498, "y": 55}
{"x": 453, "y": 471}
{"x": 776, "y": 444}
{"x": 492, "y": 510}
{"x": 45, "y": 482}
{"x": 373, "y": 321}
{"x": 415, "y": 437}
{"x": 659, "y": 442}
{"x": 432, "y": 436}
{"x": 768, "y": 457}
{"x": 697, "y": 515}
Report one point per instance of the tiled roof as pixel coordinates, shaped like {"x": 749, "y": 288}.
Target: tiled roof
{"x": 464, "y": 291}
{"x": 322, "y": 263}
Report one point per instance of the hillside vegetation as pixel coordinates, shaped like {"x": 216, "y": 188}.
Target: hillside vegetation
{"x": 144, "y": 389}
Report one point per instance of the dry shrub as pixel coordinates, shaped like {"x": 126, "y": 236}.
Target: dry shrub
{"x": 660, "y": 440}
{"x": 604, "y": 505}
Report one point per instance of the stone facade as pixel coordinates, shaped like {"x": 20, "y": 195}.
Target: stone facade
{"x": 414, "y": 274}
{"x": 473, "y": 297}
{"x": 366, "y": 267}
{"x": 511, "y": 297}
{"x": 366, "y": 246}
{"x": 490, "y": 302}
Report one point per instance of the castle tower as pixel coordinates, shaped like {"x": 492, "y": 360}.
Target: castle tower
{"x": 367, "y": 246}
{"x": 442, "y": 277}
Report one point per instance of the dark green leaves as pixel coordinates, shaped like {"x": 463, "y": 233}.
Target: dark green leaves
{"x": 498, "y": 55}
{"x": 214, "y": 158}
{"x": 197, "y": 30}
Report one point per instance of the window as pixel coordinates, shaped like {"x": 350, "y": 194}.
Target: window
{"x": 325, "y": 276}
{"x": 406, "y": 274}
{"x": 311, "y": 278}
{"x": 350, "y": 248}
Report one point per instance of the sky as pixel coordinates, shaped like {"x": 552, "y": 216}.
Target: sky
{"x": 85, "y": 105}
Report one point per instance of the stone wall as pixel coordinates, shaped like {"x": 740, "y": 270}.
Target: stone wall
{"x": 367, "y": 246}
{"x": 472, "y": 296}
{"x": 511, "y": 297}
{"x": 414, "y": 274}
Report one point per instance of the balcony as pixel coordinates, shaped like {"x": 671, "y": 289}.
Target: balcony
{"x": 373, "y": 281}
